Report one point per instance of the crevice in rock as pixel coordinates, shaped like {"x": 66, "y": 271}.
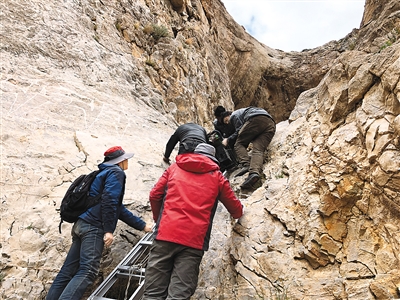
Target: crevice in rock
{"x": 11, "y": 228}
{"x": 249, "y": 282}
{"x": 78, "y": 144}
{"x": 254, "y": 272}
{"x": 282, "y": 222}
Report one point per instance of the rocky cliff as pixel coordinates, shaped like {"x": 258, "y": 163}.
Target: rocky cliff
{"x": 79, "y": 76}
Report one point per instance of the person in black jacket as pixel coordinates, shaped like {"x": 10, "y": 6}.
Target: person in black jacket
{"x": 225, "y": 130}
{"x": 252, "y": 125}
{"x": 95, "y": 227}
{"x": 188, "y": 135}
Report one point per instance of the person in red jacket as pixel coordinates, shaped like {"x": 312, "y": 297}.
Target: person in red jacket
{"x": 184, "y": 202}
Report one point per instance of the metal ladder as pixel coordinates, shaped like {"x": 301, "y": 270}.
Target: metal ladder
{"x": 128, "y": 275}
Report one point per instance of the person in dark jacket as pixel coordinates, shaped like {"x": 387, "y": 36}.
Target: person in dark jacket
{"x": 184, "y": 202}
{"x": 94, "y": 228}
{"x": 252, "y": 125}
{"x": 226, "y": 130}
{"x": 188, "y": 135}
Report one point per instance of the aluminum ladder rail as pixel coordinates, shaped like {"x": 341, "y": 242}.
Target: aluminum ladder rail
{"x": 132, "y": 266}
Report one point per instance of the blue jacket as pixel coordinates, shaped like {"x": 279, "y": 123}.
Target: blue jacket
{"x": 106, "y": 214}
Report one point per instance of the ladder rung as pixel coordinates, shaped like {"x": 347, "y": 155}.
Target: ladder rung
{"x": 131, "y": 269}
{"x": 148, "y": 243}
{"x": 127, "y": 275}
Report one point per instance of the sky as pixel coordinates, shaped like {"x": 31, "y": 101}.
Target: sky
{"x": 295, "y": 25}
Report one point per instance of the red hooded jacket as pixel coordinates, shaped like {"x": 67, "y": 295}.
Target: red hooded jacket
{"x": 185, "y": 198}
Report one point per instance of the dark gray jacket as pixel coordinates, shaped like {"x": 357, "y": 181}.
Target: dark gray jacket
{"x": 241, "y": 116}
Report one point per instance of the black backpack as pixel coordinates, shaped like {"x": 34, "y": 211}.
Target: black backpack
{"x": 225, "y": 155}
{"x": 77, "y": 200}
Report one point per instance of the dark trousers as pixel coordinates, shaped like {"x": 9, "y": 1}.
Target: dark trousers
{"x": 172, "y": 271}
{"x": 259, "y": 130}
{"x": 81, "y": 265}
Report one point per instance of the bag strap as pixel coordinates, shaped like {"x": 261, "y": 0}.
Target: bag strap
{"x": 97, "y": 197}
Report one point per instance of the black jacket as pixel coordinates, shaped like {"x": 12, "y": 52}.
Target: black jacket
{"x": 189, "y": 135}
{"x": 225, "y": 129}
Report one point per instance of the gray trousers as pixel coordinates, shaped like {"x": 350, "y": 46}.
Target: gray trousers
{"x": 259, "y": 130}
{"x": 172, "y": 271}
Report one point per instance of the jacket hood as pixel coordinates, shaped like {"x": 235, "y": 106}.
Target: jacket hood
{"x": 105, "y": 165}
{"x": 196, "y": 163}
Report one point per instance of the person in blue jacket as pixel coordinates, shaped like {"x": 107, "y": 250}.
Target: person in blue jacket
{"x": 95, "y": 227}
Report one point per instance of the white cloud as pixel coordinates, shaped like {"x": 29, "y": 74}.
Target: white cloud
{"x": 297, "y": 24}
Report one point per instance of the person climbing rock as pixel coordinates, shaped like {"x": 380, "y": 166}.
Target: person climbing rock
{"x": 95, "y": 227}
{"x": 226, "y": 130}
{"x": 252, "y": 125}
{"x": 188, "y": 135}
{"x": 184, "y": 202}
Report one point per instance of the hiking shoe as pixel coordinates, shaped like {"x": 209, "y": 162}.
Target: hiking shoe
{"x": 242, "y": 171}
{"x": 252, "y": 179}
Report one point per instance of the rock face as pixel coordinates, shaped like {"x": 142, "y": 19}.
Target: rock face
{"x": 80, "y": 76}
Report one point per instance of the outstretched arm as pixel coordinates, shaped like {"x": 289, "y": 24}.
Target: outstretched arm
{"x": 229, "y": 199}
{"x": 173, "y": 140}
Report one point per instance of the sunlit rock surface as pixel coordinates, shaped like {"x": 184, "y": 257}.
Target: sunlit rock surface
{"x": 78, "y": 77}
